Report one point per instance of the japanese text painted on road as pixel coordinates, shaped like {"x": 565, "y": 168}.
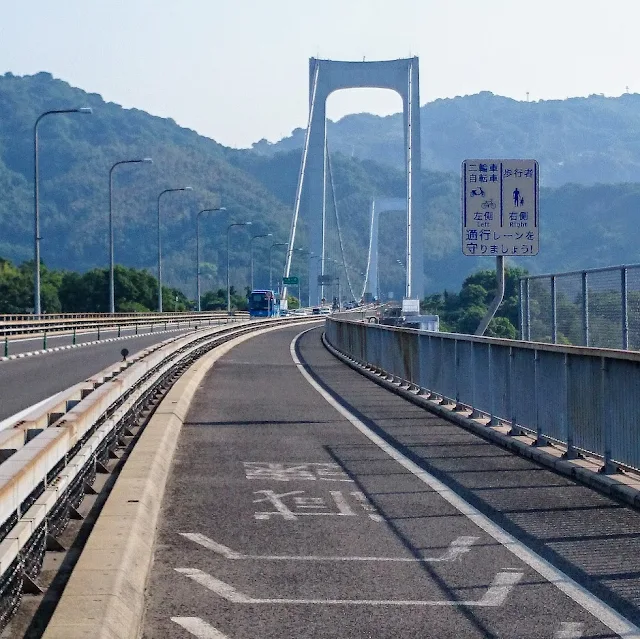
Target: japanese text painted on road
{"x": 500, "y": 207}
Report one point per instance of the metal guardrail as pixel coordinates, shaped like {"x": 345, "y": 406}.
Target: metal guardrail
{"x": 586, "y": 399}
{"x": 49, "y": 456}
{"x": 30, "y": 317}
{"x": 11, "y": 327}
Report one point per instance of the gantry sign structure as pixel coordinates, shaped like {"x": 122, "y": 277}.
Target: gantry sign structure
{"x": 325, "y": 77}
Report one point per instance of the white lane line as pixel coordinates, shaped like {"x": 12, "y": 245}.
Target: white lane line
{"x": 10, "y": 421}
{"x": 599, "y": 609}
{"x": 457, "y": 548}
{"x": 493, "y": 597}
{"x": 570, "y": 630}
{"x": 198, "y": 628}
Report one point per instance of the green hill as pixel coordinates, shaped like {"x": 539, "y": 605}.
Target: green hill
{"x": 581, "y": 226}
{"x": 582, "y": 140}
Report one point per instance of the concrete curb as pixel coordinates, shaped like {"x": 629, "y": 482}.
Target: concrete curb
{"x": 105, "y": 595}
{"x": 620, "y": 486}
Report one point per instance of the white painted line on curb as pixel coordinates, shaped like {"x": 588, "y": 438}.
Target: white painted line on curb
{"x": 457, "y": 548}
{"x": 599, "y": 609}
{"x": 198, "y": 628}
{"x": 570, "y": 630}
{"x": 9, "y": 421}
{"x": 494, "y": 596}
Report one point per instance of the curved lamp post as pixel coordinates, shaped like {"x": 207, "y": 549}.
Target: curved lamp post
{"x": 228, "y": 285}
{"x": 255, "y": 237}
{"x": 220, "y": 208}
{"x": 184, "y": 188}
{"x": 37, "y": 309}
{"x": 112, "y": 296}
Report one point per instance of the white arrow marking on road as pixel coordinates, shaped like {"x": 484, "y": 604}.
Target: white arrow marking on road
{"x": 198, "y": 628}
{"x": 457, "y": 548}
{"x": 570, "y": 630}
{"x": 495, "y": 595}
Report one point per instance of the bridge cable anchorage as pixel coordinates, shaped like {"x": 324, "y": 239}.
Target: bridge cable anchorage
{"x": 303, "y": 164}
{"x": 337, "y": 217}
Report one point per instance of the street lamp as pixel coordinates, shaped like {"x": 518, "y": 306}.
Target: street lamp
{"x": 36, "y": 226}
{"x": 221, "y": 208}
{"x": 184, "y": 188}
{"x": 270, "y": 254}
{"x": 112, "y": 298}
{"x": 228, "y": 284}
{"x": 255, "y": 237}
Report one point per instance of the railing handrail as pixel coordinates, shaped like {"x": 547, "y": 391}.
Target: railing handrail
{"x": 590, "y": 351}
{"x": 597, "y": 269}
{"x": 585, "y": 398}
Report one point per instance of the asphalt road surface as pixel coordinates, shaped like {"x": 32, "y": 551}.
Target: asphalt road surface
{"x": 306, "y": 501}
{"x": 27, "y": 381}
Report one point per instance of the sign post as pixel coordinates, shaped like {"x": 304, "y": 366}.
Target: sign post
{"x": 500, "y": 214}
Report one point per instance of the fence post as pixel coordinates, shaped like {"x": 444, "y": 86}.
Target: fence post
{"x": 554, "y": 311}
{"x": 566, "y": 421}
{"x": 521, "y": 305}
{"x": 540, "y": 441}
{"x": 456, "y": 357}
{"x": 44, "y": 340}
{"x": 625, "y": 308}
{"x": 512, "y": 412}
{"x": 73, "y": 339}
{"x": 585, "y": 308}
{"x": 119, "y": 330}
{"x": 608, "y": 468}
{"x": 493, "y": 421}
{"x": 98, "y": 332}
{"x": 6, "y": 346}
{"x": 528, "y": 302}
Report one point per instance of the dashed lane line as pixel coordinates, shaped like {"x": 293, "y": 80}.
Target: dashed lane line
{"x": 495, "y": 595}
{"x": 570, "y": 630}
{"x": 587, "y": 600}
{"x": 198, "y": 628}
{"x": 456, "y": 549}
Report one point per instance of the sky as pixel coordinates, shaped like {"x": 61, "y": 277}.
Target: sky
{"x": 237, "y": 70}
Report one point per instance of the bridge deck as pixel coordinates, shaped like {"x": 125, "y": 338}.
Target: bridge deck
{"x": 281, "y": 517}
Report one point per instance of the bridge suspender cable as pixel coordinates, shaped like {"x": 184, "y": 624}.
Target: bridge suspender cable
{"x": 303, "y": 163}
{"x": 335, "y": 210}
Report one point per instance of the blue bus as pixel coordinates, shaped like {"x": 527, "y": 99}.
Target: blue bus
{"x": 264, "y": 303}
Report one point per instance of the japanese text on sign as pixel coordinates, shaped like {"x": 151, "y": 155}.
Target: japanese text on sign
{"x": 500, "y": 207}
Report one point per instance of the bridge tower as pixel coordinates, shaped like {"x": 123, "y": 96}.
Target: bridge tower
{"x": 325, "y": 77}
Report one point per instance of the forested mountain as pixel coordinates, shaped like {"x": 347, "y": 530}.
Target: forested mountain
{"x": 580, "y": 226}
{"x": 583, "y": 140}
{"x": 76, "y": 153}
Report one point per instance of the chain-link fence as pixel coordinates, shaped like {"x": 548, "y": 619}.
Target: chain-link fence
{"x": 595, "y": 307}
